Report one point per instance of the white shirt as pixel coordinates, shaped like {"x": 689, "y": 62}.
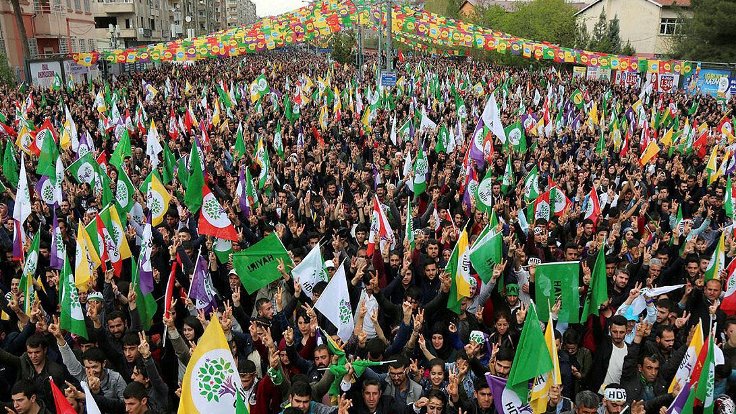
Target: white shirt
{"x": 615, "y": 364}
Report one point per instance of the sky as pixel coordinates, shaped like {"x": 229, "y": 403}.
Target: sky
{"x": 274, "y": 7}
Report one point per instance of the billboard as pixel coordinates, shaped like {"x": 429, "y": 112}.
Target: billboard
{"x": 668, "y": 82}
{"x": 578, "y": 72}
{"x": 599, "y": 73}
{"x": 42, "y": 73}
{"x": 627, "y": 79}
{"x": 711, "y": 80}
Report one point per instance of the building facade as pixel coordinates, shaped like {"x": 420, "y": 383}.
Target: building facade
{"x": 126, "y": 23}
{"x": 650, "y": 25}
{"x": 240, "y": 12}
{"x": 53, "y": 27}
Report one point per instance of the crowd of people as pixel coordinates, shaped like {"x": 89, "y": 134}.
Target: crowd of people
{"x": 659, "y": 223}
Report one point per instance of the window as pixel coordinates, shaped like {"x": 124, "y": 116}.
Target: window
{"x": 64, "y": 45}
{"x": 92, "y": 45}
{"x": 670, "y": 26}
{"x": 86, "y": 6}
{"x": 33, "y": 46}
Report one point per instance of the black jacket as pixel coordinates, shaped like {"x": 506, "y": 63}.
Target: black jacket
{"x": 633, "y": 382}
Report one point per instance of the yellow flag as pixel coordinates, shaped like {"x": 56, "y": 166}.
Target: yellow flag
{"x": 187, "y": 88}
{"x": 158, "y": 200}
{"x": 211, "y": 381}
{"x": 542, "y": 384}
{"x": 65, "y": 141}
{"x": 119, "y": 238}
{"x": 86, "y": 261}
{"x": 323, "y": 118}
{"x": 667, "y": 138}
{"x": 593, "y": 115}
{"x": 650, "y": 152}
{"x": 25, "y": 140}
{"x": 712, "y": 165}
{"x": 688, "y": 361}
{"x": 462, "y": 276}
{"x": 216, "y": 113}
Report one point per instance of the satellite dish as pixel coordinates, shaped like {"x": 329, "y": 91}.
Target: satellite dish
{"x": 188, "y": 19}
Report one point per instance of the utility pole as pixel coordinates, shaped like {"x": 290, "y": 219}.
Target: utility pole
{"x": 389, "y": 35}
{"x": 380, "y": 40}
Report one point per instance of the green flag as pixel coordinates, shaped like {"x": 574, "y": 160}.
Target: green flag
{"x": 409, "y": 225}
{"x": 222, "y": 249}
{"x": 531, "y": 185}
{"x": 10, "y": 166}
{"x": 122, "y": 150}
{"x": 421, "y": 169}
{"x": 145, "y": 304}
{"x": 484, "y": 193}
{"x": 224, "y": 97}
{"x": 278, "y": 141}
{"x": 516, "y": 137}
{"x": 84, "y": 169}
{"x": 182, "y": 173}
{"x": 558, "y": 280}
{"x": 124, "y": 192}
{"x": 532, "y": 356}
{"x": 577, "y": 98}
{"x": 487, "y": 251}
{"x": 240, "y": 406}
{"x": 73, "y": 319}
{"x": 728, "y": 199}
{"x": 598, "y": 289}
{"x": 193, "y": 192}
{"x": 29, "y": 274}
{"x": 443, "y": 136}
{"x": 169, "y": 165}
{"x": 705, "y": 387}
{"x": 47, "y": 159}
{"x": 507, "y": 182}
{"x": 257, "y": 266}
{"x": 239, "y": 149}
{"x": 56, "y": 83}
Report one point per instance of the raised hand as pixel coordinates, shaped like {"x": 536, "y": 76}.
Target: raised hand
{"x": 144, "y": 348}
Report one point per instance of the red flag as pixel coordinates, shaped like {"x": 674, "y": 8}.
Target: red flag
{"x": 173, "y": 130}
{"x": 102, "y": 161}
{"x": 318, "y": 136}
{"x": 401, "y": 56}
{"x": 695, "y": 375}
{"x": 728, "y": 304}
{"x": 213, "y": 220}
{"x": 170, "y": 287}
{"x": 104, "y": 257}
{"x": 60, "y": 401}
{"x": 593, "y": 209}
{"x": 701, "y": 142}
{"x": 625, "y": 147}
{"x": 380, "y": 228}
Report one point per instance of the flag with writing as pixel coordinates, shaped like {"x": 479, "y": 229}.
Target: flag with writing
{"x": 310, "y": 271}
{"x": 558, "y": 280}
{"x": 257, "y": 266}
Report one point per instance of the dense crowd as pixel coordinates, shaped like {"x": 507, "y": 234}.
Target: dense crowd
{"x": 665, "y": 222}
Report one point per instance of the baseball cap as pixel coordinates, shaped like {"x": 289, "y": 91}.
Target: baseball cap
{"x": 329, "y": 264}
{"x": 94, "y": 296}
{"x": 512, "y": 289}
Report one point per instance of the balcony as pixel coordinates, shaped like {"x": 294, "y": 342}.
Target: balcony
{"x": 128, "y": 33}
{"x": 118, "y": 6}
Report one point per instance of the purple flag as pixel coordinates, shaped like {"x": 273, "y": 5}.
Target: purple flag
{"x": 17, "y": 240}
{"x": 201, "y": 291}
{"x": 145, "y": 271}
{"x": 45, "y": 190}
{"x": 476, "y": 146}
{"x": 58, "y": 250}
{"x": 243, "y": 193}
{"x": 679, "y": 402}
{"x": 506, "y": 400}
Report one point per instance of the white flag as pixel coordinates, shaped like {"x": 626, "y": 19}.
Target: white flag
{"x": 58, "y": 179}
{"x": 492, "y": 118}
{"x": 310, "y": 271}
{"x": 426, "y": 122}
{"x": 408, "y": 167}
{"x": 393, "y": 130}
{"x": 22, "y": 208}
{"x": 334, "y": 303}
{"x": 89, "y": 401}
{"x": 153, "y": 146}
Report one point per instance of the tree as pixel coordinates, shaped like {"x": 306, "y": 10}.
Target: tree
{"x": 542, "y": 20}
{"x": 600, "y": 40}
{"x": 18, "y": 12}
{"x": 342, "y": 47}
{"x": 453, "y": 8}
{"x": 614, "y": 37}
{"x": 709, "y": 34}
{"x": 7, "y": 77}
{"x": 628, "y": 49}
{"x": 582, "y": 37}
